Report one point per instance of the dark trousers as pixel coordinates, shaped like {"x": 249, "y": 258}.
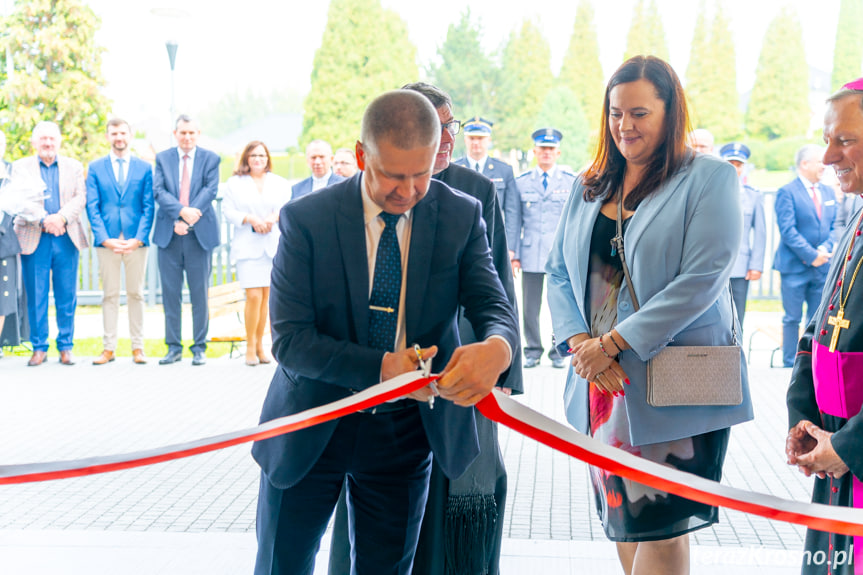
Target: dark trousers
{"x": 739, "y": 291}
{"x": 54, "y": 261}
{"x": 531, "y": 294}
{"x": 185, "y": 254}
{"x": 384, "y": 461}
{"x": 798, "y": 288}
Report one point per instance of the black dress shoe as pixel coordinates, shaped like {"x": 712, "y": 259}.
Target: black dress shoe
{"x": 172, "y": 357}
{"x": 531, "y": 362}
{"x": 199, "y": 358}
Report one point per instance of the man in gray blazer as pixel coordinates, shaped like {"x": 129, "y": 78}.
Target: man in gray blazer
{"x": 542, "y": 193}
{"x": 750, "y": 258}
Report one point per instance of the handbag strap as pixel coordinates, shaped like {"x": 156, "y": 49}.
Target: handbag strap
{"x": 617, "y": 243}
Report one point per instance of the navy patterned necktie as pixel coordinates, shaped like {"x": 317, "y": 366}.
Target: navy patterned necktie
{"x": 386, "y": 287}
{"x": 544, "y": 181}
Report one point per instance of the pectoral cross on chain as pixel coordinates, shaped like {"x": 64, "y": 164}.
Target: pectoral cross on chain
{"x": 838, "y": 322}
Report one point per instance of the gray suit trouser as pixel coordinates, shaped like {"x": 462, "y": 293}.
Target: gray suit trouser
{"x": 531, "y": 286}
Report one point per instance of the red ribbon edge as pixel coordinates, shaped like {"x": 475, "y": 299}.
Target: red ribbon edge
{"x": 491, "y": 408}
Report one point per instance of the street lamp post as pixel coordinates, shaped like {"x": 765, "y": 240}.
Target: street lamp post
{"x": 171, "y": 45}
{"x": 169, "y": 19}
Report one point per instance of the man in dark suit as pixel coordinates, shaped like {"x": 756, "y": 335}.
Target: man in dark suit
{"x": 185, "y": 184}
{"x": 329, "y": 341}
{"x": 805, "y": 213}
{"x": 481, "y": 490}
{"x": 319, "y": 157}
{"x": 120, "y": 208}
{"x": 477, "y": 140}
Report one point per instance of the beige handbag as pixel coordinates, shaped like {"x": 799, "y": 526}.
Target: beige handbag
{"x": 685, "y": 374}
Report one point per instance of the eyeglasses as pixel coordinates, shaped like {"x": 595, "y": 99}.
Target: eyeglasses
{"x": 342, "y": 163}
{"x": 452, "y": 127}
{"x": 257, "y": 155}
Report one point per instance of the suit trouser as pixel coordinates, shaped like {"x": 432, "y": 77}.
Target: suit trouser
{"x": 795, "y": 289}
{"x": 531, "y": 294}
{"x": 110, "y": 264}
{"x": 739, "y": 291}
{"x": 185, "y": 254}
{"x": 54, "y": 261}
{"x": 385, "y": 462}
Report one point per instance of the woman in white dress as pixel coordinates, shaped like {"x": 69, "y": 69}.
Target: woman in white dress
{"x": 252, "y": 200}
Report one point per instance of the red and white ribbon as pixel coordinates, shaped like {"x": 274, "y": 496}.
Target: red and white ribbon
{"x": 497, "y": 407}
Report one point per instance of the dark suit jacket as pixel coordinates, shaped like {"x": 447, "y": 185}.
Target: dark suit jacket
{"x": 474, "y": 184}
{"x": 508, "y": 197}
{"x": 113, "y": 211}
{"x": 204, "y": 186}
{"x": 801, "y": 231}
{"x": 319, "y": 315}
{"x": 304, "y": 187}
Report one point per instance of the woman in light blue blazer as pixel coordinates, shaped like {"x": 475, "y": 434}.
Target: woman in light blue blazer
{"x": 682, "y": 229}
{"x": 253, "y": 197}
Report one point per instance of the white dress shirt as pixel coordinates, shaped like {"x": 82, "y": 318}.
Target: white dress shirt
{"x": 374, "y": 226}
{"x": 191, "y": 161}
{"x": 115, "y": 165}
{"x": 318, "y": 183}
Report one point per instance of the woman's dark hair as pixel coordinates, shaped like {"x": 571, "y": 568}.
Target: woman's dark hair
{"x": 243, "y": 165}
{"x": 605, "y": 175}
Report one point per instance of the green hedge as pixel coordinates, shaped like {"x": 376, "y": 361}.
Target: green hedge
{"x": 290, "y": 166}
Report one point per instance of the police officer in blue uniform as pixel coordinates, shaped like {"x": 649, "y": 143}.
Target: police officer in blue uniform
{"x": 477, "y": 141}
{"x": 542, "y": 191}
{"x": 750, "y": 258}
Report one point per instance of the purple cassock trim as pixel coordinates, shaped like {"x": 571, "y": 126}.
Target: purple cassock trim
{"x": 839, "y": 392}
{"x": 838, "y": 380}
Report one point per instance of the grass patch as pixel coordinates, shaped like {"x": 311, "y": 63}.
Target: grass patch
{"x": 772, "y": 305}
{"x": 153, "y": 348}
{"x": 764, "y": 180}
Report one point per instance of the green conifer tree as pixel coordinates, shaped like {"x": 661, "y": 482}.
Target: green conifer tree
{"x": 646, "y": 34}
{"x": 464, "y": 70}
{"x": 364, "y": 51}
{"x": 57, "y": 76}
{"x": 561, "y": 110}
{"x": 722, "y": 114}
{"x": 581, "y": 71}
{"x": 848, "y": 54}
{"x": 699, "y": 68}
{"x": 779, "y": 104}
{"x": 525, "y": 81}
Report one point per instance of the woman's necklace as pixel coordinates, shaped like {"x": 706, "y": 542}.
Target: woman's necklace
{"x": 838, "y": 321}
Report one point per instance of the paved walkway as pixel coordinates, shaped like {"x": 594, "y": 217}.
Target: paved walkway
{"x": 197, "y": 515}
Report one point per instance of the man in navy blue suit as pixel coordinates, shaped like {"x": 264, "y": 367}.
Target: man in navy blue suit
{"x": 327, "y": 340}
{"x": 805, "y": 212}
{"x": 185, "y": 184}
{"x": 319, "y": 157}
{"x": 477, "y": 140}
{"x": 120, "y": 208}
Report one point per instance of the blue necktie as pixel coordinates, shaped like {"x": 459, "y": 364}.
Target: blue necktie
{"x": 544, "y": 181}
{"x": 386, "y": 288}
{"x": 121, "y": 177}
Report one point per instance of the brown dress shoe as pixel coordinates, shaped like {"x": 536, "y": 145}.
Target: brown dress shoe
{"x": 37, "y": 358}
{"x": 138, "y": 356}
{"x": 66, "y": 358}
{"x": 107, "y": 356}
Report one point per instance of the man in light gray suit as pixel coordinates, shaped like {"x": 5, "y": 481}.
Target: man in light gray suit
{"x": 543, "y": 192}
{"x": 750, "y": 258}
